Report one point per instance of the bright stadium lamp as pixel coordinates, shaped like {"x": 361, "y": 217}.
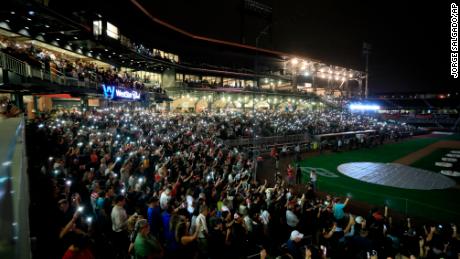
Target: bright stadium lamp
{"x": 364, "y": 107}
{"x": 294, "y": 61}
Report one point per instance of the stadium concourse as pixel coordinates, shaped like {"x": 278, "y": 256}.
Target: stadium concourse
{"x": 121, "y": 181}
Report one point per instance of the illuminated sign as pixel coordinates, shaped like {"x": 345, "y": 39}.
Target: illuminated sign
{"x": 111, "y": 92}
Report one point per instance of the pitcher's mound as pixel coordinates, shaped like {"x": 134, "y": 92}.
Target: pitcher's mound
{"x": 396, "y": 175}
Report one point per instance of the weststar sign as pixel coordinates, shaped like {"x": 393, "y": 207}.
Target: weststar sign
{"x": 111, "y": 92}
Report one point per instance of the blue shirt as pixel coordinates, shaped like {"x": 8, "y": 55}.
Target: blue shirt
{"x": 166, "y": 218}
{"x": 338, "y": 211}
{"x": 154, "y": 219}
{"x": 293, "y": 249}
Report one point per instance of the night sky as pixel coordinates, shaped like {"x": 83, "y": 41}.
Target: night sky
{"x": 410, "y": 41}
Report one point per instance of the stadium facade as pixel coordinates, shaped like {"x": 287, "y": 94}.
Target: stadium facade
{"x": 179, "y": 71}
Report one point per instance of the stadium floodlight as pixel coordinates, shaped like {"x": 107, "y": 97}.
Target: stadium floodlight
{"x": 350, "y": 75}
{"x": 364, "y": 107}
{"x": 294, "y": 61}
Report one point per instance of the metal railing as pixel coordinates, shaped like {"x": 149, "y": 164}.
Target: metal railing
{"x": 60, "y": 79}
{"x": 14, "y": 65}
{"x": 267, "y": 140}
{"x": 52, "y": 75}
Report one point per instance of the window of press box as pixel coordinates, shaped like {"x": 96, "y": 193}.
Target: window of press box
{"x": 112, "y": 31}
{"x": 192, "y": 78}
{"x": 212, "y": 80}
{"x": 238, "y": 83}
{"x": 179, "y": 77}
{"x": 145, "y": 77}
{"x": 97, "y": 28}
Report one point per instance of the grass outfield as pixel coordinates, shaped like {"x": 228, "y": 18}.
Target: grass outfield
{"x": 434, "y": 204}
{"x": 427, "y": 162}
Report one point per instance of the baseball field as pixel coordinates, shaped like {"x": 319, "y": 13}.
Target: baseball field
{"x": 419, "y": 152}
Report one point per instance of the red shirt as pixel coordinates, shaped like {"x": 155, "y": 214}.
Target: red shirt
{"x": 273, "y": 152}
{"x": 290, "y": 172}
{"x": 83, "y": 254}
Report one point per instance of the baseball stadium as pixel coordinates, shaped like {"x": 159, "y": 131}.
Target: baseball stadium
{"x": 138, "y": 129}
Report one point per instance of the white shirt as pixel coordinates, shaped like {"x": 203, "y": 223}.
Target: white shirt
{"x": 119, "y": 218}
{"x": 164, "y": 199}
{"x": 291, "y": 219}
{"x": 265, "y": 217}
{"x": 190, "y": 208}
{"x": 201, "y": 219}
{"x": 313, "y": 177}
{"x": 248, "y": 223}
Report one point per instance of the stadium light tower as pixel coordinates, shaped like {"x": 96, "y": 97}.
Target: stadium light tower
{"x": 366, "y": 51}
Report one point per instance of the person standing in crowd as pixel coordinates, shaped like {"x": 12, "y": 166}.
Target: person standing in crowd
{"x": 293, "y": 245}
{"x": 164, "y": 198}
{"x": 203, "y": 231}
{"x": 337, "y": 209}
{"x": 145, "y": 245}
{"x": 313, "y": 179}
{"x": 297, "y": 153}
{"x": 187, "y": 243}
{"x": 239, "y": 241}
{"x": 298, "y": 174}
{"x": 154, "y": 216}
{"x": 291, "y": 218}
{"x": 119, "y": 224}
{"x": 79, "y": 248}
{"x": 290, "y": 175}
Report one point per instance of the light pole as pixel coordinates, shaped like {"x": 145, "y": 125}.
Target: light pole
{"x": 366, "y": 51}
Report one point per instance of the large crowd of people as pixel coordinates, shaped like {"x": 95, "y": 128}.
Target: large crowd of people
{"x": 129, "y": 183}
{"x": 57, "y": 64}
